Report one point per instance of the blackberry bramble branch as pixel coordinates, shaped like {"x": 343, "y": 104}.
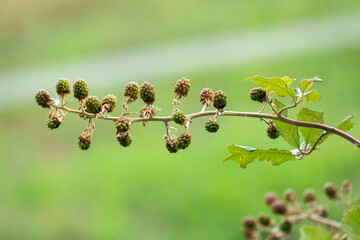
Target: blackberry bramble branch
{"x": 305, "y": 133}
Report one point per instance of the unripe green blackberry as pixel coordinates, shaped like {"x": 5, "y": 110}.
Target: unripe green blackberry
{"x": 346, "y": 187}
{"x": 109, "y": 102}
{"x": 182, "y": 88}
{"x": 122, "y": 125}
{"x": 207, "y": 96}
{"x": 184, "y": 140}
{"x": 270, "y": 198}
{"x": 322, "y": 211}
{"x": 171, "y": 146}
{"x": 286, "y": 226}
{"x": 249, "y": 223}
{"x": 147, "y": 93}
{"x": 80, "y": 89}
{"x": 125, "y": 139}
{"x": 331, "y": 191}
{"x": 54, "y": 122}
{"x": 131, "y": 92}
{"x": 278, "y": 207}
{"x": 212, "y": 126}
{"x": 220, "y": 100}
{"x": 93, "y": 104}
{"x": 179, "y": 117}
{"x": 258, "y": 95}
{"x": 84, "y": 141}
{"x": 272, "y": 132}
{"x": 264, "y": 220}
{"x": 63, "y": 86}
{"x": 309, "y": 197}
{"x": 43, "y": 98}
{"x": 290, "y": 195}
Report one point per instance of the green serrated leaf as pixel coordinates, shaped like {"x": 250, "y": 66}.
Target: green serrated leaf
{"x": 314, "y": 233}
{"x": 306, "y": 84}
{"x": 351, "y": 223}
{"x": 312, "y": 96}
{"x": 310, "y": 135}
{"x": 289, "y": 132}
{"x": 288, "y": 80}
{"x": 276, "y": 85}
{"x": 245, "y": 155}
{"x": 345, "y": 125}
{"x": 279, "y": 105}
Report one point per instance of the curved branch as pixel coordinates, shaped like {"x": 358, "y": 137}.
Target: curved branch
{"x": 324, "y": 127}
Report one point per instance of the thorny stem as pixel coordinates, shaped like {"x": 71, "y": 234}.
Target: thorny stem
{"x": 278, "y": 117}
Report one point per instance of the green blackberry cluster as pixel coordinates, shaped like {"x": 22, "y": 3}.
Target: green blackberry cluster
{"x": 80, "y": 89}
{"x": 179, "y": 117}
{"x": 84, "y": 141}
{"x": 125, "y": 139}
{"x": 258, "y": 95}
{"x": 147, "y": 93}
{"x": 220, "y": 100}
{"x": 131, "y": 92}
{"x": 93, "y": 104}
{"x": 184, "y": 140}
{"x": 264, "y": 220}
{"x": 53, "y": 121}
{"x": 109, "y": 102}
{"x": 63, "y": 86}
{"x": 212, "y": 126}
{"x": 207, "y": 96}
{"x": 272, "y": 132}
{"x": 286, "y": 226}
{"x": 182, "y": 88}
{"x": 122, "y": 125}
{"x": 43, "y": 98}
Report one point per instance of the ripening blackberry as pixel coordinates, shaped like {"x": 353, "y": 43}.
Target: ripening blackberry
{"x": 322, "y": 211}
{"x": 109, "y": 102}
{"x": 53, "y": 122}
{"x": 80, "y": 89}
{"x": 220, "y": 100}
{"x": 131, "y": 92}
{"x": 249, "y": 223}
{"x": 331, "y": 191}
{"x": 270, "y": 198}
{"x": 184, "y": 140}
{"x": 290, "y": 195}
{"x": 346, "y": 187}
{"x": 182, "y": 88}
{"x": 179, "y": 117}
{"x": 122, "y": 125}
{"x": 125, "y": 139}
{"x": 278, "y": 207}
{"x": 43, "y": 98}
{"x": 207, "y": 96}
{"x": 212, "y": 126}
{"x": 93, "y": 104}
{"x": 147, "y": 93}
{"x": 84, "y": 141}
{"x": 309, "y": 197}
{"x": 258, "y": 95}
{"x": 63, "y": 86}
{"x": 272, "y": 132}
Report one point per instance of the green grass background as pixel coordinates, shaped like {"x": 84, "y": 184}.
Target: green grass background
{"x": 49, "y": 189}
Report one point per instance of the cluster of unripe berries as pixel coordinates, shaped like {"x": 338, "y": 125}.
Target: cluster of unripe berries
{"x": 92, "y": 107}
{"x": 289, "y": 209}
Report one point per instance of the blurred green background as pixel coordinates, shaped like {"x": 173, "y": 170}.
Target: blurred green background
{"x": 50, "y": 189}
